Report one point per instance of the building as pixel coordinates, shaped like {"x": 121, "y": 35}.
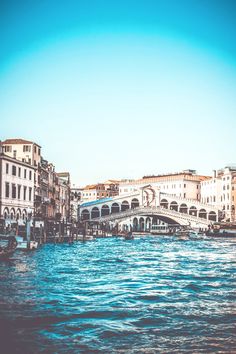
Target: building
{"x": 63, "y": 205}
{"x": 16, "y": 189}
{"x": 186, "y": 184}
{"x": 220, "y": 191}
{"x": 75, "y": 200}
{"x": 30, "y": 153}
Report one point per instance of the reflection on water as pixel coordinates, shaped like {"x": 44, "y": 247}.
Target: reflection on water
{"x": 148, "y": 295}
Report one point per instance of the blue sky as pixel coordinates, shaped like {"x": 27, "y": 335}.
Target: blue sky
{"x": 119, "y": 89}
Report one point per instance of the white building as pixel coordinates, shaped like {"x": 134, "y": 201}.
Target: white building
{"x": 219, "y": 191}
{"x": 186, "y": 184}
{"x": 16, "y": 189}
{"x": 211, "y": 191}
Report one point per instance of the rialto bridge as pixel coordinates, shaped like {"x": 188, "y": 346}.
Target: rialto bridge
{"x": 147, "y": 207}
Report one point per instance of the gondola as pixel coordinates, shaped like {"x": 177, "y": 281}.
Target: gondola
{"x": 129, "y": 236}
{"x": 8, "y": 246}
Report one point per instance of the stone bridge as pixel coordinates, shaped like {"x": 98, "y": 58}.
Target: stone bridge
{"x": 151, "y": 204}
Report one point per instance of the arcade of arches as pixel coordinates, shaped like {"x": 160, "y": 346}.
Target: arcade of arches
{"x": 119, "y": 207}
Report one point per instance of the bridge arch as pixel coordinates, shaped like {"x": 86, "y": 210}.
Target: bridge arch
{"x": 105, "y": 210}
{"x": 174, "y": 206}
{"x": 212, "y": 216}
{"x": 193, "y": 211}
{"x": 141, "y": 224}
{"x": 115, "y": 208}
{"x": 183, "y": 208}
{"x": 135, "y": 224}
{"x": 95, "y": 213}
{"x": 148, "y": 223}
{"x": 202, "y": 214}
{"x": 124, "y": 205}
{"x": 85, "y": 215}
{"x": 134, "y": 203}
{"x": 164, "y": 203}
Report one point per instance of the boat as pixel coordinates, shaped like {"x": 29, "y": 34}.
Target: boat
{"x": 129, "y": 236}
{"x": 220, "y": 230}
{"x": 7, "y": 246}
{"x": 85, "y": 238}
{"x": 182, "y": 234}
{"x": 162, "y": 230}
{"x": 22, "y": 244}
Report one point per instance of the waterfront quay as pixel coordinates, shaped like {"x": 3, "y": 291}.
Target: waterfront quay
{"x": 149, "y": 295}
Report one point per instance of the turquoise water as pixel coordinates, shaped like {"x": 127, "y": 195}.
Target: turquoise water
{"x": 147, "y": 295}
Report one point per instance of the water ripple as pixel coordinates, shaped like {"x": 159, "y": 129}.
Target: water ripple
{"x": 150, "y": 295}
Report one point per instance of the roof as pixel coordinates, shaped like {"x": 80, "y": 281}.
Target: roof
{"x": 18, "y": 141}
{"x": 94, "y": 202}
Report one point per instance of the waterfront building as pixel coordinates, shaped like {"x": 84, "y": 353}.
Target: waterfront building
{"x": 211, "y": 190}
{"x": 30, "y": 153}
{"x": 220, "y": 191}
{"x": 186, "y": 184}
{"x": 63, "y": 207}
{"x": 16, "y": 189}
{"x": 75, "y": 200}
{"x": 92, "y": 192}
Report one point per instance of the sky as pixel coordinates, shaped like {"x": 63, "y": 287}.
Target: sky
{"x": 121, "y": 89}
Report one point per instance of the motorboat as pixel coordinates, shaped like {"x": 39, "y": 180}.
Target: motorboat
{"x": 182, "y": 234}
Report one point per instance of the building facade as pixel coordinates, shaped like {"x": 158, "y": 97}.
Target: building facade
{"x": 16, "y": 189}
{"x": 186, "y": 184}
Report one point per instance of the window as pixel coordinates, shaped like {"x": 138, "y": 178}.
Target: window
{"x": 14, "y": 154}
{"x": 13, "y": 170}
{"x": 19, "y": 190}
{"x": 184, "y": 195}
{"x": 184, "y": 185}
{"x": 19, "y": 171}
{"x": 30, "y": 175}
{"x": 30, "y": 193}
{"x": 39, "y": 151}
{"x": 25, "y": 192}
{"x": 26, "y": 148}
{"x": 25, "y": 172}
{"x": 29, "y": 161}
{"x": 7, "y": 190}
{"x": 13, "y": 191}
{"x": 35, "y": 149}
{"x": 8, "y": 148}
{"x": 7, "y": 168}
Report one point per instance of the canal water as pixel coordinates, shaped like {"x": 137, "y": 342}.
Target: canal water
{"x": 147, "y": 295}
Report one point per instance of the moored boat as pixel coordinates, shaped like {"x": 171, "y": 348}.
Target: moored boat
{"x": 129, "y": 236}
{"x": 7, "y": 246}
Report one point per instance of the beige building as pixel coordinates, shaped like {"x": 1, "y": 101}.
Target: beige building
{"x": 16, "y": 189}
